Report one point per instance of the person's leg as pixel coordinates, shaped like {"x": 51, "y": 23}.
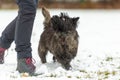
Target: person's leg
{"x": 23, "y": 31}
{"x": 7, "y": 38}
{"x": 24, "y": 26}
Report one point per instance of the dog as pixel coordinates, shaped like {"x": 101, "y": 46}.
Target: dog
{"x": 59, "y": 37}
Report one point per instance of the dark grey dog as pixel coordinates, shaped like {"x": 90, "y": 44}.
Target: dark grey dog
{"x": 59, "y": 37}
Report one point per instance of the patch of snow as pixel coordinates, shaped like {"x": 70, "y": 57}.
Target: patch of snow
{"x": 98, "y": 55}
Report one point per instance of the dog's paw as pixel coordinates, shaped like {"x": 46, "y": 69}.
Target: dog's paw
{"x": 67, "y": 67}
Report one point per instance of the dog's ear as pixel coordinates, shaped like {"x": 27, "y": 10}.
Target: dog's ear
{"x": 75, "y": 19}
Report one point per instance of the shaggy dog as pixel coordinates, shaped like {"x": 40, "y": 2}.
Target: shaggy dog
{"x": 59, "y": 37}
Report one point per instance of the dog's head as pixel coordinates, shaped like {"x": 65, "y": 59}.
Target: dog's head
{"x": 64, "y": 23}
{"x": 65, "y": 31}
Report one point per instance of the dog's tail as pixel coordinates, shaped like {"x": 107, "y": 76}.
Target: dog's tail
{"x": 46, "y": 15}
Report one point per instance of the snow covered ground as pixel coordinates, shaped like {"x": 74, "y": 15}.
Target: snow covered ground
{"x": 98, "y": 54}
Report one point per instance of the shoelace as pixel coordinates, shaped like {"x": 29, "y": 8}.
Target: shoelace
{"x": 2, "y": 50}
{"x": 30, "y": 61}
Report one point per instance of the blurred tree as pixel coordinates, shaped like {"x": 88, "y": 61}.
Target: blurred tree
{"x": 7, "y": 1}
{"x": 82, "y": 1}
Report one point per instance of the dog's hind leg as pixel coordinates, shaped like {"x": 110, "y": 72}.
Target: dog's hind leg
{"x": 42, "y": 52}
{"x": 42, "y": 55}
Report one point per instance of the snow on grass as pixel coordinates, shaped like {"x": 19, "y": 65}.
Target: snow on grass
{"x": 98, "y": 55}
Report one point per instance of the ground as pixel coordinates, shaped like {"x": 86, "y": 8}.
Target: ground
{"x": 98, "y": 56}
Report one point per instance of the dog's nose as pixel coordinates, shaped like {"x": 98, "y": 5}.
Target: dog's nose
{"x": 68, "y": 67}
{"x": 63, "y": 19}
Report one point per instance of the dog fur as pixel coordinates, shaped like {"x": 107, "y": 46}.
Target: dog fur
{"x": 59, "y": 37}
